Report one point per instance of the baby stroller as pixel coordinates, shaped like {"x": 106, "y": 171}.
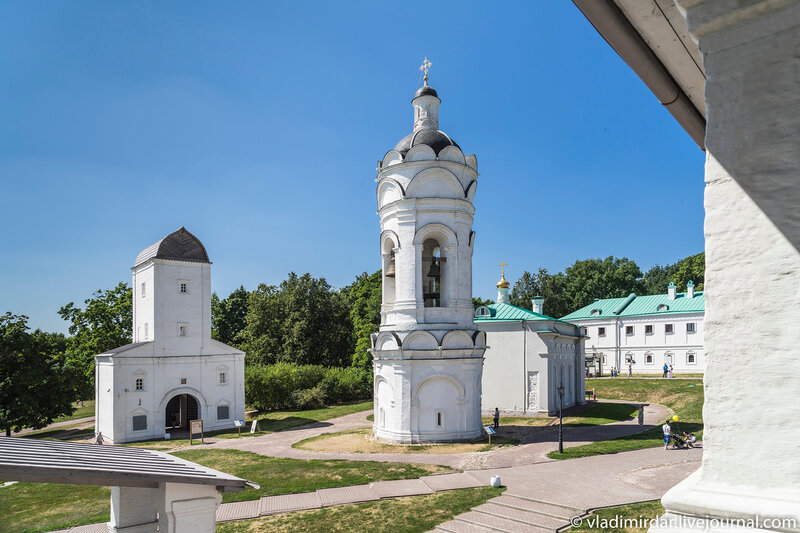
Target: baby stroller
{"x": 679, "y": 441}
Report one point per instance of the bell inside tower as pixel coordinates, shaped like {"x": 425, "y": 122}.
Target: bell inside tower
{"x": 432, "y": 268}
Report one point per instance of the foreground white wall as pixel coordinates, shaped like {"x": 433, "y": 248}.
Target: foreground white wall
{"x": 750, "y": 467}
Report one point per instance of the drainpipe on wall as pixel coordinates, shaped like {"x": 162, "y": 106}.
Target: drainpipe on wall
{"x": 525, "y": 367}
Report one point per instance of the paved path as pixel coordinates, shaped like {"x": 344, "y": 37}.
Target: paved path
{"x": 539, "y": 497}
{"x": 56, "y": 425}
{"x": 535, "y": 446}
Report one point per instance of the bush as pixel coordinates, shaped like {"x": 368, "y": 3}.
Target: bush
{"x": 293, "y": 386}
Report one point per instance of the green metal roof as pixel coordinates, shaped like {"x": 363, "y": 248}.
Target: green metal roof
{"x": 503, "y": 312}
{"x": 635, "y": 305}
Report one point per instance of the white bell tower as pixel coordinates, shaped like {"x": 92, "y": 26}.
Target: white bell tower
{"x": 428, "y": 355}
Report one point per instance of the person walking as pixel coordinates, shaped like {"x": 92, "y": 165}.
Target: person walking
{"x": 664, "y": 369}
{"x": 667, "y": 434}
{"x": 670, "y": 372}
{"x": 496, "y": 418}
{"x": 99, "y": 439}
{"x": 630, "y": 371}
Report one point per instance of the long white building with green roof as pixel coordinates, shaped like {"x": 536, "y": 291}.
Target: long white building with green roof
{"x": 646, "y": 332}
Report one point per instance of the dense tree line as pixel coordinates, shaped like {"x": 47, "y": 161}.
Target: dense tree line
{"x": 302, "y": 321}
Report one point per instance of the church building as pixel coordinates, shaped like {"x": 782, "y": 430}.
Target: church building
{"x": 428, "y": 354}
{"x": 173, "y": 372}
{"x": 532, "y": 362}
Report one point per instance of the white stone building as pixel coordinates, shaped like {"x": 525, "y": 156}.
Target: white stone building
{"x": 529, "y": 355}
{"x": 428, "y": 355}
{"x": 173, "y": 372}
{"x": 645, "y": 331}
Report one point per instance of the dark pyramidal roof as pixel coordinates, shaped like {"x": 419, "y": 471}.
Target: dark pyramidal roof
{"x": 179, "y": 246}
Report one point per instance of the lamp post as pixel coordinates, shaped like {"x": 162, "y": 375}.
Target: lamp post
{"x": 560, "y": 418}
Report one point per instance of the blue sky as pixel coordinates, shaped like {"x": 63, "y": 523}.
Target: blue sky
{"x": 258, "y": 127}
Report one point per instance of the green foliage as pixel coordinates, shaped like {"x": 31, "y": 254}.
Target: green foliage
{"x": 600, "y": 278}
{"x": 292, "y": 386}
{"x": 364, "y": 296}
{"x": 692, "y": 268}
{"x": 549, "y": 286}
{"x": 302, "y": 321}
{"x": 105, "y": 323}
{"x": 228, "y": 316}
{"x": 35, "y": 380}
{"x": 480, "y": 302}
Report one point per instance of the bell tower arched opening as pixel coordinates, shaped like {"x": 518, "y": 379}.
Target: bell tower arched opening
{"x": 432, "y": 273}
{"x": 179, "y": 411}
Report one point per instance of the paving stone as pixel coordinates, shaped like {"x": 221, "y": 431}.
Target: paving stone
{"x": 556, "y": 511}
{"x": 500, "y": 524}
{"x": 403, "y": 487}
{"x": 238, "y": 510}
{"x": 452, "y": 481}
{"x": 455, "y": 526}
{"x": 521, "y": 515}
{"x": 289, "y": 502}
{"x": 101, "y": 527}
{"x": 342, "y": 495}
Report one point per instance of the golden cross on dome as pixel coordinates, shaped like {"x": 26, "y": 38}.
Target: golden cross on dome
{"x": 503, "y": 264}
{"x": 426, "y": 65}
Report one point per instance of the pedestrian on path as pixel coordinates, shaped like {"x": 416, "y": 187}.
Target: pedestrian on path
{"x": 667, "y": 434}
{"x": 630, "y": 370}
{"x": 496, "y": 418}
{"x": 665, "y": 369}
{"x": 99, "y": 439}
{"x": 670, "y": 372}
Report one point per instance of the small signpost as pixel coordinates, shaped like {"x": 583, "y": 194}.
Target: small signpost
{"x": 239, "y": 425}
{"x": 196, "y": 426}
{"x": 489, "y": 431}
{"x": 254, "y": 427}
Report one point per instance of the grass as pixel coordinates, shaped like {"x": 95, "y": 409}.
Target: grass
{"x": 602, "y": 413}
{"x": 518, "y": 420}
{"x": 81, "y": 412}
{"x": 286, "y": 476}
{"x": 407, "y": 515}
{"x": 68, "y": 432}
{"x": 44, "y": 506}
{"x": 270, "y": 422}
{"x": 684, "y": 397}
{"x": 357, "y": 441}
{"x": 633, "y": 513}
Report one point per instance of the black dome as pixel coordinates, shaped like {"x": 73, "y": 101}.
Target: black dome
{"x": 436, "y": 139}
{"x": 426, "y": 90}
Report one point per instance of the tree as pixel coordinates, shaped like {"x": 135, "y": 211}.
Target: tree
{"x": 35, "y": 381}
{"x": 548, "y": 286}
{"x": 364, "y": 297}
{"x": 480, "y": 302}
{"x": 303, "y": 321}
{"x": 656, "y": 279}
{"x": 105, "y": 323}
{"x": 228, "y": 316}
{"x": 611, "y": 277}
{"x": 692, "y": 268}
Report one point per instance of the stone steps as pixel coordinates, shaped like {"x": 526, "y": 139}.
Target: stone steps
{"x": 523, "y": 516}
{"x": 549, "y": 509}
{"x": 456, "y": 526}
{"x": 496, "y": 523}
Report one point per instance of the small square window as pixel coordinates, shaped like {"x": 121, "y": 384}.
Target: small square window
{"x": 690, "y": 359}
{"x": 601, "y": 332}
{"x": 648, "y": 329}
{"x": 648, "y": 359}
{"x": 223, "y": 378}
{"x": 139, "y": 383}
{"x": 183, "y": 381}
{"x": 140, "y": 422}
{"x": 668, "y": 328}
{"x": 690, "y": 327}
{"x": 182, "y": 329}
{"x": 183, "y": 287}
{"x": 144, "y": 290}
{"x": 628, "y": 330}
{"x": 223, "y": 412}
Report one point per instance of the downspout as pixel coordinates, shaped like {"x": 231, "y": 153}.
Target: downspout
{"x": 525, "y": 367}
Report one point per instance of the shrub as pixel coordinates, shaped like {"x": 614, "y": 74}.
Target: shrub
{"x": 291, "y": 386}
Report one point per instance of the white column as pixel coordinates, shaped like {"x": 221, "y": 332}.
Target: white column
{"x": 750, "y": 468}
{"x": 133, "y": 510}
{"x": 185, "y": 508}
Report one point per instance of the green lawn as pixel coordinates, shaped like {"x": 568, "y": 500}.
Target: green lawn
{"x": 683, "y": 396}
{"x": 602, "y": 413}
{"x": 68, "y": 432}
{"x": 267, "y": 423}
{"x": 285, "y": 476}
{"x": 603, "y": 520}
{"x": 518, "y": 420}
{"x": 42, "y": 506}
{"x": 81, "y": 412}
{"x": 413, "y": 514}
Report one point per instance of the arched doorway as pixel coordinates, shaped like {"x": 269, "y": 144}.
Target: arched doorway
{"x": 180, "y": 410}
